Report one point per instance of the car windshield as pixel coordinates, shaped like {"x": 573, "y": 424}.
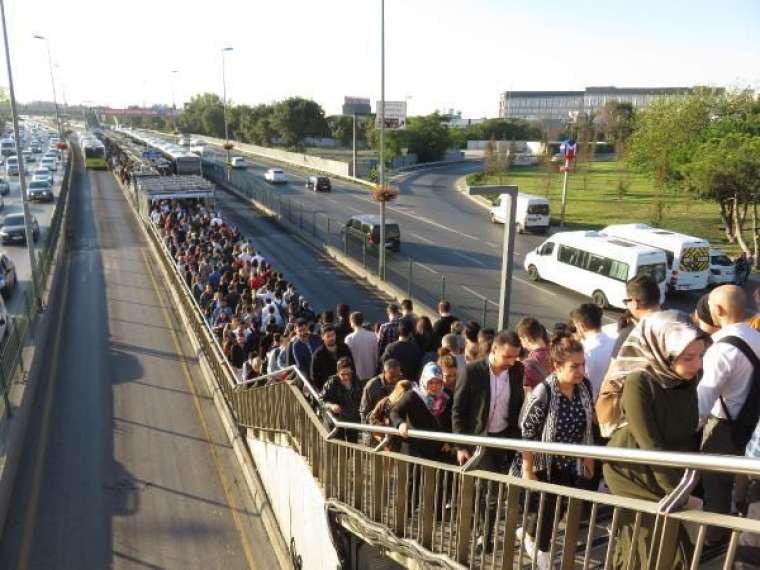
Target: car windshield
{"x": 36, "y": 184}
{"x": 14, "y": 220}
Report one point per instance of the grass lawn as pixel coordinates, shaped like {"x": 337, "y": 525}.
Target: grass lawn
{"x": 604, "y": 193}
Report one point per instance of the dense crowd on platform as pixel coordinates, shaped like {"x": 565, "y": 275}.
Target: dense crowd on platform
{"x": 656, "y": 380}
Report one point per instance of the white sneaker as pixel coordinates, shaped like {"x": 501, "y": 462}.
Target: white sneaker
{"x": 542, "y": 560}
{"x": 527, "y": 540}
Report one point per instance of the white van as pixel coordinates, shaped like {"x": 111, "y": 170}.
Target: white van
{"x": 532, "y": 212}
{"x": 595, "y": 265}
{"x": 688, "y": 256}
{"x": 11, "y": 166}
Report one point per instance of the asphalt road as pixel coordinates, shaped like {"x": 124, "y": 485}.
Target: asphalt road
{"x": 43, "y": 212}
{"x": 126, "y": 464}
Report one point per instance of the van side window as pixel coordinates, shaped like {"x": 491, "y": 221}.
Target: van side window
{"x": 619, "y": 271}
{"x": 567, "y": 254}
{"x": 599, "y": 264}
{"x": 547, "y": 249}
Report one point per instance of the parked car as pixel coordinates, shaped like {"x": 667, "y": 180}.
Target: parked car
{"x": 50, "y": 163}
{"x": 238, "y": 162}
{"x": 722, "y": 269}
{"x": 8, "y": 276}
{"x": 12, "y": 229}
{"x": 39, "y": 190}
{"x": 5, "y": 188}
{"x": 28, "y": 156}
{"x": 366, "y": 228}
{"x": 275, "y": 176}
{"x": 318, "y": 184}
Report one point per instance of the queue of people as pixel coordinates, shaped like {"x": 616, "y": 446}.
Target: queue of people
{"x": 658, "y": 380}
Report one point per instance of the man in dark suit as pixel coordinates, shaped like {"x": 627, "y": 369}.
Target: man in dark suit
{"x": 487, "y": 402}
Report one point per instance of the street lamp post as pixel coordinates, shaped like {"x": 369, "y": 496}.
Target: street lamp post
{"x": 381, "y": 168}
{"x": 52, "y": 81}
{"x": 174, "y": 105}
{"x": 224, "y": 107}
{"x": 36, "y": 293}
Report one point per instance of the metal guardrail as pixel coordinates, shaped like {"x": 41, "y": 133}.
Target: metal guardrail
{"x": 451, "y": 512}
{"x": 21, "y": 326}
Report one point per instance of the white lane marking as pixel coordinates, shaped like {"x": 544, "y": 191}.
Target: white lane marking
{"x": 491, "y": 244}
{"x": 414, "y": 215}
{"x": 424, "y": 239}
{"x": 468, "y": 258}
{"x": 529, "y": 284}
{"x": 426, "y": 267}
{"x": 479, "y": 296}
{"x": 346, "y": 206}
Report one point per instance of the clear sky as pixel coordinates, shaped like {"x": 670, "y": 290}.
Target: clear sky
{"x": 441, "y": 53}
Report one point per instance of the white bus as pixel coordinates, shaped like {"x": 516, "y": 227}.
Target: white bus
{"x": 688, "y": 256}
{"x": 595, "y": 265}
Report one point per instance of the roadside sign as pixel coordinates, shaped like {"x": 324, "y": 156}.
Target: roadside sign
{"x": 356, "y": 106}
{"x": 394, "y": 115}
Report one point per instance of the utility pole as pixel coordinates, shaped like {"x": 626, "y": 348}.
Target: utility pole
{"x": 224, "y": 102}
{"x": 52, "y": 81}
{"x": 36, "y": 293}
{"x": 353, "y": 154}
{"x": 381, "y": 167}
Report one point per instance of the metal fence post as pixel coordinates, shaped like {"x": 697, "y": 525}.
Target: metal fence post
{"x": 409, "y": 280}
{"x": 314, "y": 224}
{"x": 300, "y": 219}
{"x": 345, "y": 243}
{"x": 443, "y": 287}
{"x": 485, "y": 312}
{"x": 364, "y": 252}
{"x": 328, "y": 228}
{"x": 290, "y": 209}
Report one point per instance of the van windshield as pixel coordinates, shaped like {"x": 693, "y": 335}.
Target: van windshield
{"x": 539, "y": 209}
{"x": 655, "y": 270}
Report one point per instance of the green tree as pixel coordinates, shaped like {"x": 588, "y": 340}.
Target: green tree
{"x": 203, "y": 114}
{"x": 393, "y": 140}
{"x": 727, "y": 170}
{"x": 667, "y": 132}
{"x": 296, "y": 118}
{"x": 342, "y": 128}
{"x": 427, "y": 137}
{"x": 616, "y": 121}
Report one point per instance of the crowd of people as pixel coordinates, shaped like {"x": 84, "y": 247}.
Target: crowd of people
{"x": 656, "y": 380}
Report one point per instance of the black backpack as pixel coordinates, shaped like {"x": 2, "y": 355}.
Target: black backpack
{"x": 745, "y": 421}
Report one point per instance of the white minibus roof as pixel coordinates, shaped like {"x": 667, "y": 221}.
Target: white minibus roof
{"x": 608, "y": 246}
{"x": 657, "y": 237}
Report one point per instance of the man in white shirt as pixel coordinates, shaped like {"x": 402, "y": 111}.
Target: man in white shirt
{"x": 597, "y": 346}
{"x": 726, "y": 381}
{"x": 363, "y": 346}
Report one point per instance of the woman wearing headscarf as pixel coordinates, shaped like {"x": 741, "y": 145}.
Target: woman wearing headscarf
{"x": 558, "y": 410}
{"x": 420, "y": 408}
{"x": 659, "y": 364}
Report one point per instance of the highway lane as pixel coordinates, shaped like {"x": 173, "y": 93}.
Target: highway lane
{"x": 443, "y": 230}
{"x": 43, "y": 212}
{"x": 447, "y": 233}
{"x": 126, "y": 464}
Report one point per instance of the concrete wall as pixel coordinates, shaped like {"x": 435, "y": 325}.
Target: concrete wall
{"x": 530, "y": 147}
{"x": 297, "y": 502}
{"x": 337, "y": 167}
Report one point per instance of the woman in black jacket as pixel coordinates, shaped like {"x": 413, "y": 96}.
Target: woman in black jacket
{"x": 342, "y": 394}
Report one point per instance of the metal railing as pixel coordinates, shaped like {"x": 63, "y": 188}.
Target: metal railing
{"x": 22, "y": 325}
{"x": 464, "y": 516}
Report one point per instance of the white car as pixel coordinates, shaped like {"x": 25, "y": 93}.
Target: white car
{"x": 238, "y": 162}
{"x": 42, "y": 173}
{"x": 275, "y": 176}
{"x": 722, "y": 269}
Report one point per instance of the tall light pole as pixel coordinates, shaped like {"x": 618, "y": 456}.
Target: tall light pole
{"x": 224, "y": 106}
{"x": 381, "y": 169}
{"x": 52, "y": 81}
{"x": 36, "y": 293}
{"x": 174, "y": 105}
